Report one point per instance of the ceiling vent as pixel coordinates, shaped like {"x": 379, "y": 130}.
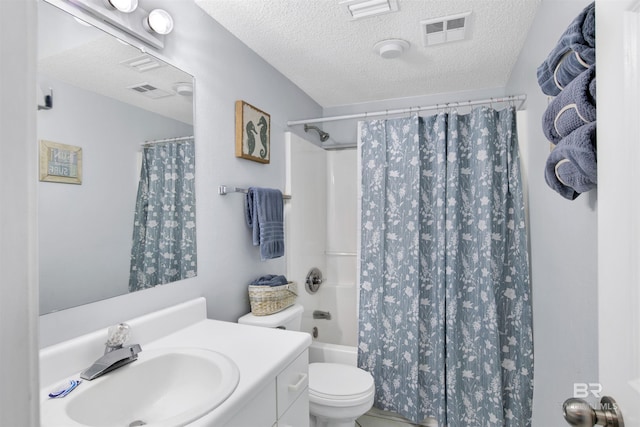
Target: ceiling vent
{"x": 446, "y": 29}
{"x": 142, "y": 63}
{"x": 150, "y": 91}
{"x": 358, "y": 9}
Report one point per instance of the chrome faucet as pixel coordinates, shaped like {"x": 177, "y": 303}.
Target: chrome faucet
{"x": 111, "y": 360}
{"x": 115, "y": 354}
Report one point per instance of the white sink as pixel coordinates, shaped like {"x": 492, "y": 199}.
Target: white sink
{"x": 168, "y": 387}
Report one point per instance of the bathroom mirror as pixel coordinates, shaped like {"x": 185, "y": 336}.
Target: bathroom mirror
{"x": 107, "y": 98}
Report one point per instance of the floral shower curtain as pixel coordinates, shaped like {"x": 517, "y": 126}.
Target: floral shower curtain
{"x": 445, "y": 315}
{"x": 164, "y": 232}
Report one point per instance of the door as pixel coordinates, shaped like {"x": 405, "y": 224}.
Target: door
{"x": 618, "y": 103}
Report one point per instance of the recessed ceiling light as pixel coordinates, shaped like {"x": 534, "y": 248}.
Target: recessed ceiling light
{"x": 358, "y": 9}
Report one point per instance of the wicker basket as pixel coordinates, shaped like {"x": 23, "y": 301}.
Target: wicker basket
{"x": 267, "y": 300}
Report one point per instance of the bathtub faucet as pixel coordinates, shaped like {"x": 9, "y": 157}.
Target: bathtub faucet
{"x": 317, "y": 314}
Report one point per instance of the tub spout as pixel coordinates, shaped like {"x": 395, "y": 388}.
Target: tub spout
{"x": 317, "y": 314}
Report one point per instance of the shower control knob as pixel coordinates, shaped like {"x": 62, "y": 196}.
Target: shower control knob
{"x": 314, "y": 279}
{"x": 578, "y": 412}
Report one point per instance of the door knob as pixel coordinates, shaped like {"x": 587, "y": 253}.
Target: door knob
{"x": 578, "y": 412}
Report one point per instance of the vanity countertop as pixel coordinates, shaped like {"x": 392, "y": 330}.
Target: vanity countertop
{"x": 260, "y": 353}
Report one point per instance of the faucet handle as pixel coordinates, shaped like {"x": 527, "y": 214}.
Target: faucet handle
{"x": 117, "y": 335}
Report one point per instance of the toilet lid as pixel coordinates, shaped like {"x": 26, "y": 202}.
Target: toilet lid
{"x": 334, "y": 381}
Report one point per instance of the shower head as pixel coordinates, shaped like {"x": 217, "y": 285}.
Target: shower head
{"x": 323, "y": 135}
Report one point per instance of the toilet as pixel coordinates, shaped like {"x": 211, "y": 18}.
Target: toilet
{"x": 338, "y": 394}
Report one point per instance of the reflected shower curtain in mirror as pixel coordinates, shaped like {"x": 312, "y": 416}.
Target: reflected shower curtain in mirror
{"x": 164, "y": 233}
{"x": 445, "y": 321}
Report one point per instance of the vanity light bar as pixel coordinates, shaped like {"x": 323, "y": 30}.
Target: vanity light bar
{"x": 130, "y": 23}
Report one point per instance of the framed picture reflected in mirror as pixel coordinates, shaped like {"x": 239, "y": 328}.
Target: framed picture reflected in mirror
{"x": 60, "y": 163}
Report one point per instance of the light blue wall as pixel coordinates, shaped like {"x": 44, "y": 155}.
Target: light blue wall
{"x": 562, "y": 240}
{"x": 225, "y": 70}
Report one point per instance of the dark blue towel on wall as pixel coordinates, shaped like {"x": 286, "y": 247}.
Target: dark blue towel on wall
{"x": 574, "y": 107}
{"x": 572, "y": 167}
{"x": 574, "y": 53}
{"x": 264, "y": 213}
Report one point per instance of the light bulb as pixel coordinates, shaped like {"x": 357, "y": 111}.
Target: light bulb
{"x": 126, "y": 6}
{"x": 159, "y": 21}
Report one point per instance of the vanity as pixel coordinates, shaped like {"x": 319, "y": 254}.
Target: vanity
{"x": 271, "y": 387}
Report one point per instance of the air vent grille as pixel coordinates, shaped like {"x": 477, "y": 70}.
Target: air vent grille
{"x": 436, "y": 27}
{"x": 446, "y": 29}
{"x": 358, "y": 9}
{"x": 150, "y": 91}
{"x": 142, "y": 63}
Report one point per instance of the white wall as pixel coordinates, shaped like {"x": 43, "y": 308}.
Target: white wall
{"x": 19, "y": 404}
{"x": 225, "y": 71}
{"x": 562, "y": 242}
{"x": 618, "y": 215}
{"x": 305, "y": 218}
{"x": 85, "y": 230}
{"x": 340, "y": 296}
{"x": 321, "y": 232}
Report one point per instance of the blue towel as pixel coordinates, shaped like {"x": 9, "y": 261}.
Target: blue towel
{"x": 572, "y": 167}
{"x": 264, "y": 214}
{"x": 573, "y": 54}
{"x": 270, "y": 280}
{"x": 573, "y": 108}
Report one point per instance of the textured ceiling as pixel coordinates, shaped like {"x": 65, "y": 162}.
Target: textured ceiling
{"x": 317, "y": 46}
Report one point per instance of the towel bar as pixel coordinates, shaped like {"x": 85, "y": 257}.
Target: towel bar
{"x": 224, "y": 189}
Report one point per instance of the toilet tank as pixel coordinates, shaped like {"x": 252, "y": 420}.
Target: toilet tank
{"x": 290, "y": 318}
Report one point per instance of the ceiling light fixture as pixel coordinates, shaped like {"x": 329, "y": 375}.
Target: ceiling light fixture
{"x": 158, "y": 21}
{"x": 391, "y": 48}
{"x": 126, "y": 6}
{"x": 183, "y": 88}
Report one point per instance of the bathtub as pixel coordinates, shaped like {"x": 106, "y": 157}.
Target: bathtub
{"x": 332, "y": 353}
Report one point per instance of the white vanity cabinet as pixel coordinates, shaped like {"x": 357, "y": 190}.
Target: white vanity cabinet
{"x": 292, "y": 393}
{"x": 283, "y": 402}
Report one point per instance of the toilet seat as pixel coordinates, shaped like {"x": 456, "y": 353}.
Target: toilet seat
{"x": 339, "y": 385}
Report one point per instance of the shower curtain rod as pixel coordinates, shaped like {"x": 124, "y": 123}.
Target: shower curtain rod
{"x": 513, "y": 98}
{"x": 157, "y": 141}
